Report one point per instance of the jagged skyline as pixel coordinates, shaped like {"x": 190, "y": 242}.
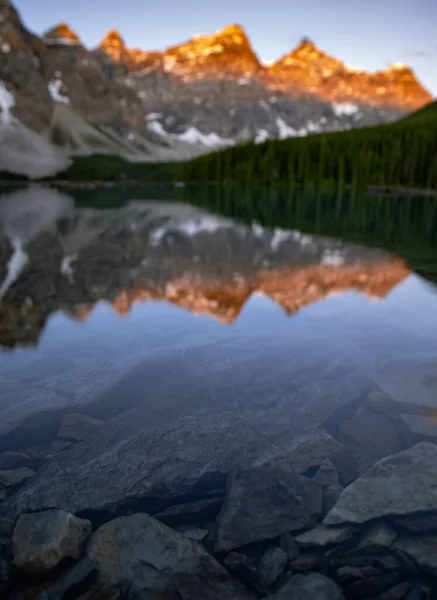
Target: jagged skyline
{"x": 334, "y": 29}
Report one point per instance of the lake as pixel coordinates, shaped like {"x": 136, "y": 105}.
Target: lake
{"x": 153, "y": 341}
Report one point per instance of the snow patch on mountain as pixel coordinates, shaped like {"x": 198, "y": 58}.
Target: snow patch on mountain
{"x": 54, "y": 88}
{"x": 344, "y": 108}
{"x": 190, "y": 136}
{"x": 7, "y": 101}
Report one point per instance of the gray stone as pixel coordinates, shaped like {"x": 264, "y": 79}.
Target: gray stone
{"x": 205, "y": 587}
{"x": 327, "y": 478}
{"x": 308, "y": 450}
{"x": 196, "y": 534}
{"x": 14, "y": 477}
{"x": 323, "y": 535}
{"x": 309, "y": 586}
{"x": 272, "y": 564}
{"x": 41, "y": 541}
{"x": 246, "y": 571}
{"x": 400, "y": 484}
{"x": 378, "y": 534}
{"x": 264, "y": 502}
{"x": 288, "y": 545}
{"x": 78, "y": 427}
{"x": 422, "y": 550}
{"x": 70, "y": 581}
{"x": 146, "y": 554}
{"x": 421, "y": 425}
{"x": 3, "y": 494}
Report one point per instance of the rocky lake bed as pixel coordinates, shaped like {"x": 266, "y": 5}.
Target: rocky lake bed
{"x": 345, "y": 509}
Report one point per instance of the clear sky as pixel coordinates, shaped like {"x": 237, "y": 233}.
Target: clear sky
{"x": 369, "y": 34}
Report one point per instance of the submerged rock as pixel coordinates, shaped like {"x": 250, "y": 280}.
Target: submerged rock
{"x": 400, "y": 484}
{"x": 264, "y": 502}
{"x": 309, "y": 586}
{"x": 322, "y": 535}
{"x": 146, "y": 554}
{"x": 78, "y": 427}
{"x": 272, "y": 564}
{"x": 41, "y": 541}
{"x": 308, "y": 450}
{"x": 14, "y": 477}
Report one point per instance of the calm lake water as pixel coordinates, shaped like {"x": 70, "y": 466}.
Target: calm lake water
{"x": 223, "y": 322}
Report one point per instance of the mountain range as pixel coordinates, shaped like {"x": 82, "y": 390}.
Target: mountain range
{"x": 59, "y": 98}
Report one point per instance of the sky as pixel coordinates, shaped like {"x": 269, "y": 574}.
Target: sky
{"x": 369, "y": 35}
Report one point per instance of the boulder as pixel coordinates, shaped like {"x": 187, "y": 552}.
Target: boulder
{"x": 78, "y": 427}
{"x": 246, "y": 571}
{"x": 400, "y": 484}
{"x": 3, "y": 494}
{"x": 422, "y": 550}
{"x": 42, "y": 541}
{"x": 13, "y": 477}
{"x": 272, "y": 564}
{"x": 147, "y": 555}
{"x": 264, "y": 502}
{"x": 373, "y": 587}
{"x": 309, "y": 586}
{"x": 323, "y": 535}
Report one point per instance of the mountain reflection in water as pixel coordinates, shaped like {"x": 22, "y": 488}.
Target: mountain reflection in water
{"x": 55, "y": 256}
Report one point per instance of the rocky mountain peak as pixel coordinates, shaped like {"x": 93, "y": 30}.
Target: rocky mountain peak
{"x": 61, "y": 34}
{"x": 226, "y": 53}
{"x": 112, "y": 39}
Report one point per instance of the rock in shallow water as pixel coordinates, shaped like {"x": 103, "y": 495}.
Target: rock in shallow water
{"x": 308, "y": 587}
{"x": 264, "y": 502}
{"x": 41, "y": 541}
{"x": 78, "y": 427}
{"x": 147, "y": 555}
{"x": 399, "y": 484}
{"x": 272, "y": 564}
